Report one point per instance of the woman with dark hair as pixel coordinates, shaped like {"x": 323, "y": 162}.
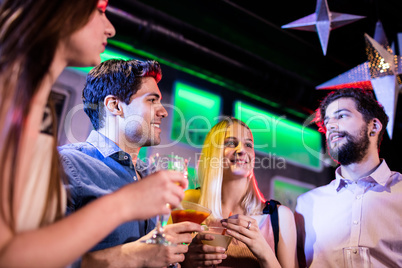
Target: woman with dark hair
{"x": 38, "y": 39}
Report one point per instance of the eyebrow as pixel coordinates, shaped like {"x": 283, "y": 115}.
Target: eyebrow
{"x": 337, "y": 112}
{"x": 154, "y": 95}
{"x": 234, "y": 138}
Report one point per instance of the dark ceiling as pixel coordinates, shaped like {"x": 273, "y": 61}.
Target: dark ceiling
{"x": 243, "y": 44}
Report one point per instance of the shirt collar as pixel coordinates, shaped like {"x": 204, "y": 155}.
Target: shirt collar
{"x": 104, "y": 145}
{"x": 380, "y": 175}
{"x": 110, "y": 149}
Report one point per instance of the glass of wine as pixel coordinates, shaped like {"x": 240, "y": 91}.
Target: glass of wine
{"x": 164, "y": 162}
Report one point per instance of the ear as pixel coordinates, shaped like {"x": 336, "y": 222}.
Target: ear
{"x": 113, "y": 105}
{"x": 376, "y": 127}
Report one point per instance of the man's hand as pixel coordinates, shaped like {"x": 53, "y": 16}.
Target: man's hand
{"x": 138, "y": 254}
{"x": 135, "y": 254}
{"x": 179, "y": 233}
{"x": 200, "y": 255}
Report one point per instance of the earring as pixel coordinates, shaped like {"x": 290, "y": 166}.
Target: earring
{"x": 372, "y": 133}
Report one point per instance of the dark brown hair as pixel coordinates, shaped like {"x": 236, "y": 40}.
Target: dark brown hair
{"x": 365, "y": 104}
{"x": 30, "y": 32}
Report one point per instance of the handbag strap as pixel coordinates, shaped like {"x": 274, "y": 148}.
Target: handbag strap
{"x": 272, "y": 209}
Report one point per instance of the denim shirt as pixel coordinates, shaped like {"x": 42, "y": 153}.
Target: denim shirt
{"x": 98, "y": 167}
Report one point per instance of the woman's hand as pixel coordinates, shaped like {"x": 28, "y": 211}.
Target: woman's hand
{"x": 246, "y": 230}
{"x": 159, "y": 192}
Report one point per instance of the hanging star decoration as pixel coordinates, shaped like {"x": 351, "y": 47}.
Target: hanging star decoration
{"x": 382, "y": 73}
{"x": 359, "y": 76}
{"x": 322, "y": 22}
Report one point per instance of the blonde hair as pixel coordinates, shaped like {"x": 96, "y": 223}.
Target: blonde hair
{"x": 210, "y": 173}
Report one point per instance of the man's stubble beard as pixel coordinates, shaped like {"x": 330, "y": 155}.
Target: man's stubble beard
{"x": 137, "y": 137}
{"x": 354, "y": 150}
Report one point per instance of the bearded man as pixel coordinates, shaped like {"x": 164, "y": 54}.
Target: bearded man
{"x": 362, "y": 207}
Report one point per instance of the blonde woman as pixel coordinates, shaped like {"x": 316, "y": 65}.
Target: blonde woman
{"x": 38, "y": 39}
{"x": 228, "y": 186}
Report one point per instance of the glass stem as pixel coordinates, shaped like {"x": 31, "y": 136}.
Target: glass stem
{"x": 159, "y": 225}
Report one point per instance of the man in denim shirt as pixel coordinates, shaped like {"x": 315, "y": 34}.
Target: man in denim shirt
{"x": 122, "y": 100}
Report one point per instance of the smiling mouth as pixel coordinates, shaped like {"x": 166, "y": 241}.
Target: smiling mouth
{"x": 155, "y": 125}
{"x": 239, "y": 162}
{"x": 335, "y": 137}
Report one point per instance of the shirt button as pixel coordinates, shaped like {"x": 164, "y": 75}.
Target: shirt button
{"x": 358, "y": 197}
{"x": 355, "y": 222}
{"x": 125, "y": 157}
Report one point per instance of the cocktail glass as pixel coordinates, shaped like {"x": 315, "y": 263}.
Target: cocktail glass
{"x": 220, "y": 239}
{"x": 190, "y": 212}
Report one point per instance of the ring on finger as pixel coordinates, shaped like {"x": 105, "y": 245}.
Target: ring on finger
{"x": 248, "y": 225}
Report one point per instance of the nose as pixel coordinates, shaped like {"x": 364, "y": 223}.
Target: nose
{"x": 331, "y": 124}
{"x": 239, "y": 148}
{"x": 161, "y": 112}
{"x": 110, "y": 31}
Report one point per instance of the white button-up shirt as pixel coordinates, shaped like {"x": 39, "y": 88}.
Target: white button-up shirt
{"x": 346, "y": 213}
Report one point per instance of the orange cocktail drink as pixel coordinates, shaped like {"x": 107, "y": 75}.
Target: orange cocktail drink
{"x": 190, "y": 212}
{"x": 188, "y": 215}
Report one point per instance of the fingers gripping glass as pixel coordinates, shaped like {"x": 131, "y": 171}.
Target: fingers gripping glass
{"x": 164, "y": 162}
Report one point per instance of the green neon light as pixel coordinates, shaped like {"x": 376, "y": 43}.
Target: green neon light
{"x": 192, "y": 178}
{"x": 281, "y": 185}
{"x": 276, "y": 136}
{"x": 287, "y": 193}
{"x": 106, "y": 55}
{"x": 143, "y": 153}
{"x": 109, "y": 53}
{"x": 196, "y": 95}
{"x": 205, "y": 75}
{"x": 195, "y": 112}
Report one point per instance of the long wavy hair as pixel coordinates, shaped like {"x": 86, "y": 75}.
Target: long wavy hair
{"x": 210, "y": 173}
{"x": 30, "y": 32}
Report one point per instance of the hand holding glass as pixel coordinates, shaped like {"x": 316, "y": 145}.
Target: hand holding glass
{"x": 165, "y": 162}
{"x": 220, "y": 238}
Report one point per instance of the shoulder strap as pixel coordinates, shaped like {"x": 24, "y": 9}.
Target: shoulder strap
{"x": 272, "y": 209}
